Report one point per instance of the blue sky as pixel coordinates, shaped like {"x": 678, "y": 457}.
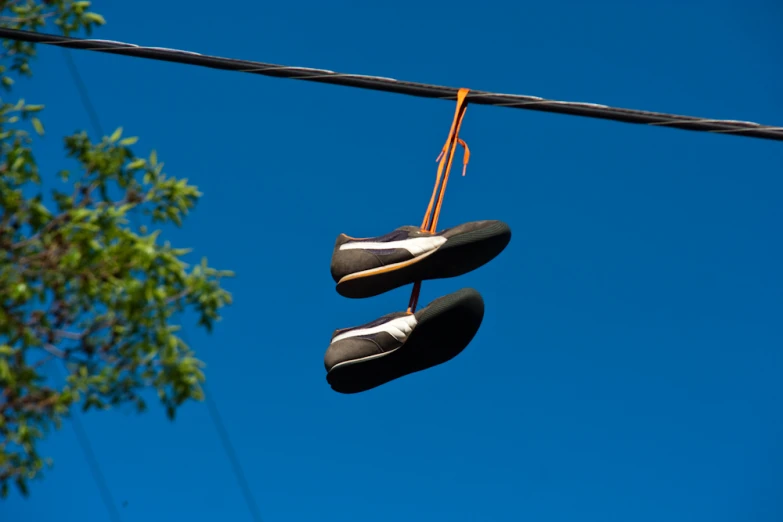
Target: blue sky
{"x": 629, "y": 364}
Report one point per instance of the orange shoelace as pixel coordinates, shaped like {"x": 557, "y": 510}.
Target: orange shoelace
{"x": 445, "y": 160}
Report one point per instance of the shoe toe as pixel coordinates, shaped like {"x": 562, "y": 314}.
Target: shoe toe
{"x": 349, "y": 350}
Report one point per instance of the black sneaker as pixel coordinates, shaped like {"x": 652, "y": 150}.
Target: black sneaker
{"x": 371, "y": 266}
{"x": 400, "y": 343}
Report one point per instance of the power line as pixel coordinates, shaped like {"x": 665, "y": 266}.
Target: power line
{"x": 81, "y": 433}
{"x": 232, "y": 456}
{"x": 83, "y": 94}
{"x": 92, "y": 462}
{"x": 95, "y": 468}
{"x": 211, "y": 406}
{"x": 81, "y": 86}
{"x": 228, "y": 447}
{"x": 535, "y": 103}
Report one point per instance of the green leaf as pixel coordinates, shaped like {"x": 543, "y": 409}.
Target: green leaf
{"x": 33, "y": 108}
{"x": 5, "y": 370}
{"x": 38, "y": 126}
{"x": 19, "y": 291}
{"x": 21, "y": 485}
{"x": 95, "y": 18}
{"x": 137, "y": 164}
{"x": 117, "y": 134}
{"x": 129, "y": 141}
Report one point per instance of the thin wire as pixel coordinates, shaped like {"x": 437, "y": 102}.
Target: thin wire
{"x": 83, "y": 94}
{"x": 228, "y": 447}
{"x": 81, "y": 433}
{"x": 92, "y": 462}
{"x": 232, "y": 456}
{"x": 423, "y": 90}
{"x": 95, "y": 469}
{"x": 211, "y": 406}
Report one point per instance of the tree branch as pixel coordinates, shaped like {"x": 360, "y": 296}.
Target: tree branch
{"x": 42, "y": 362}
{"x": 51, "y": 224}
{"x": 59, "y": 218}
{"x": 70, "y": 335}
{"x": 13, "y": 20}
{"x": 52, "y": 349}
{"x": 177, "y": 297}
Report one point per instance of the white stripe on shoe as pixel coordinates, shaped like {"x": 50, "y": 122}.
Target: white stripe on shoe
{"x": 416, "y": 245}
{"x": 399, "y": 328}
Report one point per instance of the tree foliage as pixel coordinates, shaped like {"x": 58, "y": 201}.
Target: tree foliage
{"x": 80, "y": 285}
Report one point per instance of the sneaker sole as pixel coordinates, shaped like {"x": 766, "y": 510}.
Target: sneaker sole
{"x": 457, "y": 256}
{"x": 444, "y": 329}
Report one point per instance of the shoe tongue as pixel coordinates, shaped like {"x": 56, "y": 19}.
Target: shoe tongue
{"x": 393, "y": 315}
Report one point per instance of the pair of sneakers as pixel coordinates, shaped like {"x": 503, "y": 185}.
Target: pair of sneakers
{"x": 366, "y": 356}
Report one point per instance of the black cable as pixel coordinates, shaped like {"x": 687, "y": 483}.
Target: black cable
{"x": 78, "y": 428}
{"x": 91, "y": 112}
{"x": 232, "y": 456}
{"x": 83, "y": 94}
{"x": 211, "y": 406}
{"x": 92, "y": 462}
{"x": 95, "y": 468}
{"x": 590, "y": 110}
{"x": 228, "y": 447}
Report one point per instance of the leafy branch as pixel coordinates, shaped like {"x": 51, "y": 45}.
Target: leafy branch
{"x": 79, "y": 285}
